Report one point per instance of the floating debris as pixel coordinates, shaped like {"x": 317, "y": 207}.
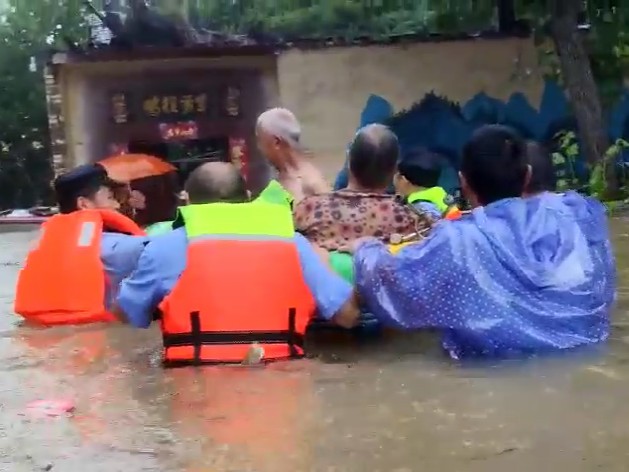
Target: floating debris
{"x": 41, "y": 408}
{"x": 254, "y": 355}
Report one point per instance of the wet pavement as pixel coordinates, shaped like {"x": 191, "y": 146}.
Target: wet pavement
{"x": 393, "y": 405}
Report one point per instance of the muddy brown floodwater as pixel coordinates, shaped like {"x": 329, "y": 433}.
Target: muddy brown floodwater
{"x": 394, "y": 405}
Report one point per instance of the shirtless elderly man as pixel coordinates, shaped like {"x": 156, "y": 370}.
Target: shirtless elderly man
{"x": 279, "y": 139}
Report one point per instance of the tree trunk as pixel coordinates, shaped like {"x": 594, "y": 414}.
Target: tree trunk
{"x": 582, "y": 90}
{"x": 506, "y": 16}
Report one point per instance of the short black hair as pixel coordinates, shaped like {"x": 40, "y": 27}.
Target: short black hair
{"x": 421, "y": 167}
{"x": 495, "y": 163}
{"x": 373, "y": 156}
{"x": 543, "y": 175}
{"x": 83, "y": 181}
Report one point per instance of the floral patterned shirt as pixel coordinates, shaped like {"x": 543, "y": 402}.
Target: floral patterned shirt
{"x": 334, "y": 219}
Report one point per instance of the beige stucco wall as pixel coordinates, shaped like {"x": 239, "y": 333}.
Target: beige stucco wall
{"x": 328, "y": 88}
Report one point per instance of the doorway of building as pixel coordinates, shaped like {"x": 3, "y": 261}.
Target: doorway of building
{"x": 185, "y": 155}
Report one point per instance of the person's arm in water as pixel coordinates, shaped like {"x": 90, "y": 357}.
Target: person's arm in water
{"x": 119, "y": 255}
{"x": 335, "y": 298}
{"x": 406, "y": 290}
{"x": 158, "y": 269}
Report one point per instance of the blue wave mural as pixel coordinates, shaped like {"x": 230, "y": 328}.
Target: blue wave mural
{"x": 437, "y": 123}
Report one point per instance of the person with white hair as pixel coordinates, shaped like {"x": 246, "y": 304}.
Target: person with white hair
{"x": 278, "y": 134}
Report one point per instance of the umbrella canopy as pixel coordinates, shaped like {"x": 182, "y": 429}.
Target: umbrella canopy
{"x": 129, "y": 167}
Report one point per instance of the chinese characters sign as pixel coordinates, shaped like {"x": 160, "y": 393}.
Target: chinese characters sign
{"x": 179, "y": 131}
{"x": 222, "y": 102}
{"x": 232, "y": 102}
{"x": 158, "y": 106}
{"x": 119, "y": 111}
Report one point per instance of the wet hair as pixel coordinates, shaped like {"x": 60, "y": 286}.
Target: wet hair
{"x": 421, "y": 167}
{"x": 373, "y": 156}
{"x": 216, "y": 182}
{"x": 495, "y": 163}
{"x": 543, "y": 176}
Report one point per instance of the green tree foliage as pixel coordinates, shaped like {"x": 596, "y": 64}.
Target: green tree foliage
{"x": 343, "y": 18}
{"x": 29, "y": 27}
{"x": 26, "y": 30}
{"x": 584, "y": 53}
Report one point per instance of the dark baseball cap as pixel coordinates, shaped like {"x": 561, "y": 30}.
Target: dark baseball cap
{"x": 82, "y": 181}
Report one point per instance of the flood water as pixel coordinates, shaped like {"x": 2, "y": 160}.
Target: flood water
{"x": 394, "y": 405}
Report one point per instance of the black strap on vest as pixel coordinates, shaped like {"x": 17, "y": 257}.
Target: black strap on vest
{"x": 197, "y": 338}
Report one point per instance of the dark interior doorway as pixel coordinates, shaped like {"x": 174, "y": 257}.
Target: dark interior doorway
{"x": 185, "y": 155}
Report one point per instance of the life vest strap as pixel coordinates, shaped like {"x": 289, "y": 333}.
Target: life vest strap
{"x": 232, "y": 337}
{"x": 198, "y": 338}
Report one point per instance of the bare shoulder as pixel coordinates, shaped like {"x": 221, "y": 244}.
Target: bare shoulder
{"x": 313, "y": 180}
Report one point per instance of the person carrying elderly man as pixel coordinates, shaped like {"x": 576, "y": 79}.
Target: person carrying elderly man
{"x": 279, "y": 139}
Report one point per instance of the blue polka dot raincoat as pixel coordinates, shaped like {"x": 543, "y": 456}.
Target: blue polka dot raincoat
{"x": 517, "y": 277}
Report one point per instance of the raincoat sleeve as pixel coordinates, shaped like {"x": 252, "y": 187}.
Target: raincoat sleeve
{"x": 119, "y": 255}
{"x": 403, "y": 291}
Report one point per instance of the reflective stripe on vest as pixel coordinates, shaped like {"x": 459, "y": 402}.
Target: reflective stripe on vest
{"x": 236, "y": 233}
{"x": 435, "y": 195}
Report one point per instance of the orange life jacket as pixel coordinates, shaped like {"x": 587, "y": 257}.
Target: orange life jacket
{"x": 453, "y": 213}
{"x": 241, "y": 286}
{"x": 63, "y": 280}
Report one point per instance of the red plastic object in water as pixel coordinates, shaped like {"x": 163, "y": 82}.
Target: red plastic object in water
{"x": 50, "y": 407}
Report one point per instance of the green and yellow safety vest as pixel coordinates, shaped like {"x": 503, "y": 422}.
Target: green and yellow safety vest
{"x": 242, "y": 285}
{"x": 256, "y": 217}
{"x": 435, "y": 195}
{"x": 274, "y": 192}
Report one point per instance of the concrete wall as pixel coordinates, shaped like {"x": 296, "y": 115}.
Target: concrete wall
{"x": 327, "y": 89}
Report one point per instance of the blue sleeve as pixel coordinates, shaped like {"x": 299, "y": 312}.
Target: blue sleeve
{"x": 141, "y": 293}
{"x": 404, "y": 290}
{"x": 120, "y": 254}
{"x": 429, "y": 208}
{"x": 329, "y": 290}
{"x": 158, "y": 270}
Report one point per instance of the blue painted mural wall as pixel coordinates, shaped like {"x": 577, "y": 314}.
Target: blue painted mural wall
{"x": 444, "y": 126}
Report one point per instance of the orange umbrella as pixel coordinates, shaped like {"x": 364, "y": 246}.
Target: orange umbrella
{"x": 128, "y": 167}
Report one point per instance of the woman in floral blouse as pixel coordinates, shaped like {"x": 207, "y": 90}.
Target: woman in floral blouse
{"x": 333, "y": 220}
